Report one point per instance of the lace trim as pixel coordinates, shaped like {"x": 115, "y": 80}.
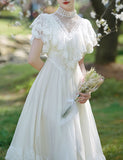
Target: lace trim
{"x": 62, "y": 27}
{"x": 17, "y": 154}
{"x": 70, "y": 46}
{"x": 91, "y": 39}
{"x": 65, "y": 13}
{"x": 41, "y": 30}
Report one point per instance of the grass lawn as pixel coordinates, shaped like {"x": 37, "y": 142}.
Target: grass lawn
{"x": 106, "y": 106}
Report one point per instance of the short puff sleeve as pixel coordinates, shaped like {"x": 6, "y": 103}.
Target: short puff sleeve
{"x": 41, "y": 30}
{"x": 91, "y": 38}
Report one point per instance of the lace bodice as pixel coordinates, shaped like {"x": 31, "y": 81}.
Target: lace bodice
{"x": 67, "y": 20}
{"x": 65, "y": 35}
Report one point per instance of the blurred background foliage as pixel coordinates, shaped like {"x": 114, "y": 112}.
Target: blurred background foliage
{"x": 17, "y": 76}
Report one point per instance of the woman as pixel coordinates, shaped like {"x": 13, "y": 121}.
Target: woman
{"x": 42, "y": 133}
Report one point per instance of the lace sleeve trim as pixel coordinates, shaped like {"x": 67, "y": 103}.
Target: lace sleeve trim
{"x": 41, "y": 30}
{"x": 91, "y": 38}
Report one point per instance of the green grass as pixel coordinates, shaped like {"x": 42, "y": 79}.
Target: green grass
{"x": 120, "y": 38}
{"x": 106, "y": 105}
{"x": 13, "y": 76}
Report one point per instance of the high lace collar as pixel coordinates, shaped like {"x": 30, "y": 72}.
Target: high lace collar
{"x": 65, "y": 13}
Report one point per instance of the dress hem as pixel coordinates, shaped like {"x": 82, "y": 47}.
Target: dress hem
{"x": 14, "y": 154}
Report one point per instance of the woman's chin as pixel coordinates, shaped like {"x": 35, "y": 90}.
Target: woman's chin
{"x": 67, "y": 7}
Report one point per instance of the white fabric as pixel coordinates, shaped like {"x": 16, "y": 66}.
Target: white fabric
{"x": 66, "y": 14}
{"x": 69, "y": 46}
{"x": 39, "y": 134}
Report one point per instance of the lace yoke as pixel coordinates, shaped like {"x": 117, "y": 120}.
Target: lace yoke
{"x": 68, "y": 24}
{"x": 64, "y": 34}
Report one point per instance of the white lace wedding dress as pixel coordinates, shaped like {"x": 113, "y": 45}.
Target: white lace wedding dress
{"x": 41, "y": 132}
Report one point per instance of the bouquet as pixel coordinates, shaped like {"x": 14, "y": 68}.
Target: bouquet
{"x": 91, "y": 83}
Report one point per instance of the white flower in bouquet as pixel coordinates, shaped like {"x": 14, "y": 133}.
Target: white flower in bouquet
{"x": 91, "y": 83}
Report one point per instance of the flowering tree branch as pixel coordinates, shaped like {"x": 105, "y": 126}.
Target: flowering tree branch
{"x": 101, "y": 21}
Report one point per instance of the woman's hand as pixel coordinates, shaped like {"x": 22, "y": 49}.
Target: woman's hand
{"x": 84, "y": 97}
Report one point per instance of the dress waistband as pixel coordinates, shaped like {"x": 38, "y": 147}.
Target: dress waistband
{"x": 56, "y": 64}
{"x": 59, "y": 64}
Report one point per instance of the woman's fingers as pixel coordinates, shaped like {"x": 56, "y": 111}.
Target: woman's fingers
{"x": 84, "y": 97}
{"x": 82, "y": 101}
{"x": 84, "y": 94}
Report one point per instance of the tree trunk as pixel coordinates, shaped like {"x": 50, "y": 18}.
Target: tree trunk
{"x": 107, "y": 51}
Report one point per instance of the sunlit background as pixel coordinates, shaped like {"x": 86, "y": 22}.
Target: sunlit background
{"x": 17, "y": 76}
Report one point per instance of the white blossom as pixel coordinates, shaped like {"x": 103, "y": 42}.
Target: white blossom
{"x": 98, "y": 23}
{"x": 118, "y": 5}
{"x": 103, "y": 22}
{"x": 106, "y": 27}
{"x": 21, "y": 15}
{"x": 39, "y": 10}
{"x": 23, "y": 3}
{"x": 104, "y": 2}
{"x": 10, "y": 7}
{"x": 49, "y": 2}
{"x": 28, "y": 13}
{"x": 12, "y": 36}
{"x": 121, "y": 16}
{"x": 17, "y": 23}
{"x": 117, "y": 1}
{"x": 107, "y": 31}
{"x": 99, "y": 35}
{"x": 118, "y": 16}
{"x": 93, "y": 14}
